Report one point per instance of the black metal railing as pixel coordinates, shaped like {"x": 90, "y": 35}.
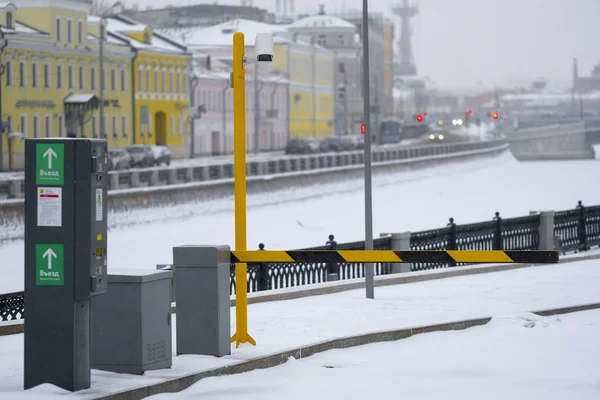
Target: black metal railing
{"x": 577, "y": 230}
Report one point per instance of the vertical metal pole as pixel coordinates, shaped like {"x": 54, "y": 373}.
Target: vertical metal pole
{"x": 369, "y": 267}
{"x": 314, "y": 92}
{"x": 239, "y": 189}
{"x": 102, "y": 32}
{"x": 224, "y": 116}
{"x": 256, "y": 110}
{"x": 346, "y": 125}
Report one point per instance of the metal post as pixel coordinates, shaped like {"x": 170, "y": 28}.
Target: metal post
{"x": 314, "y": 92}
{"x": 346, "y": 127}
{"x": 224, "y": 115}
{"x": 369, "y": 267}
{"x": 256, "y": 110}
{"x": 2, "y": 71}
{"x": 102, "y": 33}
{"x": 239, "y": 189}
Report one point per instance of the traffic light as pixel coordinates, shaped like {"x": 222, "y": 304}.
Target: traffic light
{"x": 362, "y": 128}
{"x": 495, "y": 115}
{"x": 419, "y": 118}
{"x": 470, "y": 112}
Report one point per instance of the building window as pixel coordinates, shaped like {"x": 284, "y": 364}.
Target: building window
{"x": 70, "y": 77}
{"x": 70, "y": 31}
{"x": 103, "y": 78}
{"x": 24, "y": 125}
{"x": 179, "y": 126}
{"x": 46, "y": 75}
{"x": 83, "y": 130}
{"x": 113, "y": 80}
{"x": 163, "y": 82}
{"x": 147, "y": 38}
{"x": 114, "y": 128}
{"x": 93, "y": 78}
{"x": 140, "y": 78}
{"x": 155, "y": 81}
{"x": 9, "y": 123}
{"x": 61, "y": 126}
{"x": 322, "y": 41}
{"x": 59, "y": 29}
{"x": 123, "y": 81}
{"x": 9, "y": 75}
{"x": 9, "y": 20}
{"x": 22, "y": 74}
{"x": 81, "y": 77}
{"x": 59, "y": 76}
{"x": 124, "y": 126}
{"x": 340, "y": 40}
{"x": 148, "y": 81}
{"x": 80, "y": 32}
{"x": 36, "y": 126}
{"x": 172, "y": 125}
{"x": 48, "y": 126}
{"x": 34, "y": 74}
{"x": 171, "y": 81}
{"x": 94, "y": 127}
{"x": 178, "y": 82}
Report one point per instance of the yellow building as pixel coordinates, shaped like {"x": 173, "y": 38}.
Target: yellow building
{"x": 161, "y": 84}
{"x": 310, "y": 71}
{"x": 388, "y": 71}
{"x": 50, "y": 82}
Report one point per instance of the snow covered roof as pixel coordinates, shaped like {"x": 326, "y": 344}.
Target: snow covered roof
{"x": 222, "y": 34}
{"x": 118, "y": 27}
{"x": 321, "y": 21}
{"x": 23, "y": 29}
{"x": 78, "y": 98}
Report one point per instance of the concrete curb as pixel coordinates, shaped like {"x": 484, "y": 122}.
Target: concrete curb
{"x": 342, "y": 286}
{"x": 179, "y": 384}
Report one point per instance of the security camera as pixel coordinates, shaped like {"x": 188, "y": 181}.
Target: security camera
{"x": 263, "y": 46}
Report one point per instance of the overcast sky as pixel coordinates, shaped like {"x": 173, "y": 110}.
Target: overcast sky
{"x": 461, "y": 42}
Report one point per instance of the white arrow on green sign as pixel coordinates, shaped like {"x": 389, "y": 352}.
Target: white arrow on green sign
{"x": 50, "y": 164}
{"x": 49, "y": 265}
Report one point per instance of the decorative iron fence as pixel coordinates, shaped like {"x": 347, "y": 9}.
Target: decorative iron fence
{"x": 577, "y": 229}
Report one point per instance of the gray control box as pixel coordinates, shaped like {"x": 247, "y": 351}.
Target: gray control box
{"x": 65, "y": 256}
{"x": 131, "y": 324}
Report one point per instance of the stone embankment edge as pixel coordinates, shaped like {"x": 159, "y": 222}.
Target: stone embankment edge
{"x": 337, "y": 287}
{"x": 273, "y": 360}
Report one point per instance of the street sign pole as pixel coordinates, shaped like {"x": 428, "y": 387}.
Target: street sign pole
{"x": 369, "y": 267}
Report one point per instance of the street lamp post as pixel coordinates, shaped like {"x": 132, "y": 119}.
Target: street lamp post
{"x": 101, "y": 55}
{"x": 369, "y": 267}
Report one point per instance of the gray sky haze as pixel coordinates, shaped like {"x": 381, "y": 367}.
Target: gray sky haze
{"x": 462, "y": 42}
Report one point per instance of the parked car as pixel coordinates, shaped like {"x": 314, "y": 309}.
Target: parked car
{"x": 162, "y": 155}
{"x": 358, "y": 141}
{"x": 141, "y": 154}
{"x": 302, "y": 146}
{"x": 119, "y": 159}
{"x": 337, "y": 143}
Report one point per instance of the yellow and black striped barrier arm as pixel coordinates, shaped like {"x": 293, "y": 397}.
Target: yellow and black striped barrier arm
{"x": 391, "y": 256}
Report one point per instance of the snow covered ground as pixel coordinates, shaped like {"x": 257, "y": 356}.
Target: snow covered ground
{"x": 282, "y": 325}
{"x": 521, "y": 356}
{"x": 305, "y": 216}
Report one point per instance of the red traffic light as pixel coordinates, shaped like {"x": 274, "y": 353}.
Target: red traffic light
{"x": 470, "y": 112}
{"x": 495, "y": 115}
{"x": 425, "y": 114}
{"x": 420, "y": 118}
{"x": 362, "y": 128}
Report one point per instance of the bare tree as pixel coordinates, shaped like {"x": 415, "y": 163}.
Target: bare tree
{"x": 99, "y": 6}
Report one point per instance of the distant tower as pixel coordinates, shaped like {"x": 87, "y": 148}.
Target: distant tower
{"x": 407, "y": 63}
{"x": 575, "y": 73}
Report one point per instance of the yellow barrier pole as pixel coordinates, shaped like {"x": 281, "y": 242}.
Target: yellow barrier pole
{"x": 239, "y": 189}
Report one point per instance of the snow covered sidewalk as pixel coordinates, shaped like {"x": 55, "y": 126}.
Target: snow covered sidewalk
{"x": 514, "y": 357}
{"x": 283, "y": 325}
